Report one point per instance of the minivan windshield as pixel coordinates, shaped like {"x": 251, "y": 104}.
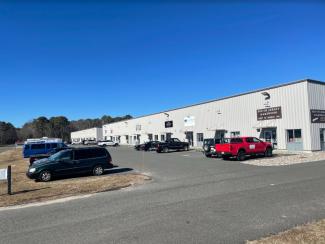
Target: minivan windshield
{"x": 60, "y": 155}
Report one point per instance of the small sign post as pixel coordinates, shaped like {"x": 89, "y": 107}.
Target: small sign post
{"x": 5, "y": 174}
{"x": 9, "y": 179}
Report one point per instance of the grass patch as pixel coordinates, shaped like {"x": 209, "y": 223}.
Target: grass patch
{"x": 28, "y": 191}
{"x": 306, "y": 234}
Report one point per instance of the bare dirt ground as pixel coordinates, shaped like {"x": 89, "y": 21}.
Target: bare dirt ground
{"x": 28, "y": 191}
{"x": 307, "y": 234}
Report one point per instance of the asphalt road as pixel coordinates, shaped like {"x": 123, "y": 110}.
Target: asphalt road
{"x": 191, "y": 199}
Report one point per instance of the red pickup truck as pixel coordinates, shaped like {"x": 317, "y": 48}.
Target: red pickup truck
{"x": 240, "y": 147}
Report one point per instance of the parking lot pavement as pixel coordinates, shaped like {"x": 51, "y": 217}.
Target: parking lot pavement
{"x": 192, "y": 199}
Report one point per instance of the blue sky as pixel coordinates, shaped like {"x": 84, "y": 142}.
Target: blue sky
{"x": 84, "y": 60}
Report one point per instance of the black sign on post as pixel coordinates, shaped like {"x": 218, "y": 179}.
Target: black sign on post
{"x": 269, "y": 113}
{"x": 9, "y": 179}
{"x": 169, "y": 124}
{"x": 317, "y": 116}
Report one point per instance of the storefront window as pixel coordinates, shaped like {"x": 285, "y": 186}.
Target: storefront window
{"x": 294, "y": 135}
{"x": 234, "y": 133}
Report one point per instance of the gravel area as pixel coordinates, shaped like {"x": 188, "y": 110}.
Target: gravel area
{"x": 280, "y": 159}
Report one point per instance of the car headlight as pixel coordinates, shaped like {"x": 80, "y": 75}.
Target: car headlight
{"x": 32, "y": 170}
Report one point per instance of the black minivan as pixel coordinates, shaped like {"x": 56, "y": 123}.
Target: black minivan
{"x": 71, "y": 161}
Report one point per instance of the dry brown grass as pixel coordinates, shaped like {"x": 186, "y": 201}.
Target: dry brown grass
{"x": 306, "y": 234}
{"x": 27, "y": 191}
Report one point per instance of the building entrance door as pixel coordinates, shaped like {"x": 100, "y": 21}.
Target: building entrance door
{"x": 269, "y": 135}
{"x": 168, "y": 136}
{"x": 322, "y": 139}
{"x": 220, "y": 135}
{"x": 189, "y": 137}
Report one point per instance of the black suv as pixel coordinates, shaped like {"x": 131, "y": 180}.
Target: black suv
{"x": 71, "y": 161}
{"x": 209, "y": 145}
{"x": 172, "y": 144}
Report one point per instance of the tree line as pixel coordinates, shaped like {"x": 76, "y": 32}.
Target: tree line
{"x": 57, "y": 127}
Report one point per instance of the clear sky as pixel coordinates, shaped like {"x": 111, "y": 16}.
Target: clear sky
{"x": 84, "y": 60}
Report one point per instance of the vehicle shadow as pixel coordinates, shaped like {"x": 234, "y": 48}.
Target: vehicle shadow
{"x": 31, "y": 190}
{"x": 111, "y": 171}
{"x": 117, "y": 171}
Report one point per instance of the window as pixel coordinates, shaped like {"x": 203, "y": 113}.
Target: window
{"x": 38, "y": 146}
{"x": 90, "y": 153}
{"x": 150, "y": 137}
{"x": 255, "y": 140}
{"x": 232, "y": 140}
{"x": 156, "y": 138}
{"x": 176, "y": 140}
{"x": 67, "y": 155}
{"x": 26, "y": 147}
{"x": 48, "y": 146}
{"x": 54, "y": 145}
{"x": 162, "y": 137}
{"x": 249, "y": 140}
{"x": 199, "y": 137}
{"x": 234, "y": 133}
{"x": 294, "y": 135}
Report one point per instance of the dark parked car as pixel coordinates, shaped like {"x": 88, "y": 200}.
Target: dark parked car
{"x": 71, "y": 161}
{"x": 148, "y": 146}
{"x": 172, "y": 144}
{"x": 209, "y": 145}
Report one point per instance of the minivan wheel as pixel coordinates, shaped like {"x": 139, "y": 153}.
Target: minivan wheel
{"x": 45, "y": 176}
{"x": 98, "y": 170}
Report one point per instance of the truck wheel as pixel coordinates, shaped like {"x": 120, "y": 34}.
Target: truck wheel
{"x": 241, "y": 155}
{"x": 208, "y": 155}
{"x": 165, "y": 150}
{"x": 268, "y": 152}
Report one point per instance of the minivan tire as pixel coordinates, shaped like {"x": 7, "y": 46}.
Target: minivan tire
{"x": 45, "y": 176}
{"x": 98, "y": 170}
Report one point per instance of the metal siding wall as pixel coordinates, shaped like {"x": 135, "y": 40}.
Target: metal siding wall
{"x": 316, "y": 101}
{"x": 237, "y": 114}
{"x": 88, "y": 133}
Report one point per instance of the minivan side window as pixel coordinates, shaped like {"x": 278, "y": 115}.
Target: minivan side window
{"x": 37, "y": 146}
{"x": 48, "y": 146}
{"x": 26, "y": 147}
{"x": 90, "y": 153}
{"x": 54, "y": 145}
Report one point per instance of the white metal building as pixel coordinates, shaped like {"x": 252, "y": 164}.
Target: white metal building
{"x": 88, "y": 134}
{"x": 291, "y": 116}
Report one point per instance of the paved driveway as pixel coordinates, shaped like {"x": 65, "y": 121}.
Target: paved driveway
{"x": 192, "y": 199}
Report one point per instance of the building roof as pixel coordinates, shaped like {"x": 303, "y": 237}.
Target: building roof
{"x": 228, "y": 97}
